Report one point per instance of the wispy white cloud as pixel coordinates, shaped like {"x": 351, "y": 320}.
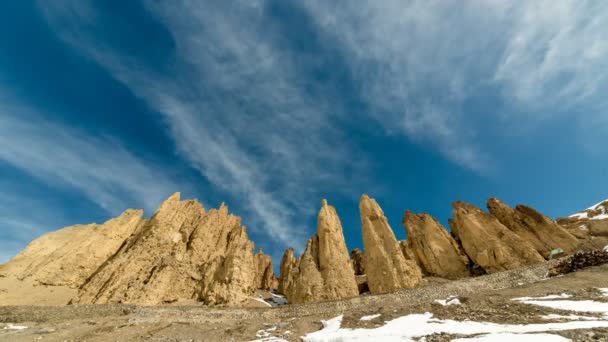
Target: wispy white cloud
{"x": 420, "y": 62}
{"x": 100, "y": 168}
{"x": 238, "y": 109}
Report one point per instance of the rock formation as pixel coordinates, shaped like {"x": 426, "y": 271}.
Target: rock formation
{"x": 435, "y": 251}
{"x": 288, "y": 268}
{"x": 589, "y": 226}
{"x": 69, "y": 256}
{"x": 356, "y": 259}
{"x": 182, "y": 253}
{"x": 385, "y": 266}
{"x": 537, "y": 229}
{"x": 324, "y": 270}
{"x": 488, "y": 242}
{"x": 264, "y": 275}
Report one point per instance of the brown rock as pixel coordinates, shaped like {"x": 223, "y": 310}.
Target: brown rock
{"x": 264, "y": 275}
{"x": 69, "y": 256}
{"x": 385, "y": 266}
{"x": 539, "y": 230}
{"x": 435, "y": 251}
{"x": 589, "y": 226}
{"x": 289, "y": 265}
{"x": 488, "y": 242}
{"x": 324, "y": 271}
{"x": 356, "y": 259}
{"x": 180, "y": 254}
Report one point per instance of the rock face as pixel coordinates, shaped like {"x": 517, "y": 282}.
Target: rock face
{"x": 589, "y": 226}
{"x": 385, "y": 266}
{"x": 288, "y": 268}
{"x": 539, "y": 230}
{"x": 356, "y": 259}
{"x": 264, "y": 275}
{"x": 69, "y": 256}
{"x": 182, "y": 253}
{"x": 435, "y": 251}
{"x": 488, "y": 242}
{"x": 324, "y": 271}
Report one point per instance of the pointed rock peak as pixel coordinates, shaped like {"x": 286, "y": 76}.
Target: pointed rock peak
{"x": 260, "y": 251}
{"x": 175, "y": 197}
{"x": 324, "y": 203}
{"x": 465, "y": 207}
{"x": 369, "y": 207}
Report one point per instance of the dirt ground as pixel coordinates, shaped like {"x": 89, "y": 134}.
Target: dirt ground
{"x": 486, "y": 298}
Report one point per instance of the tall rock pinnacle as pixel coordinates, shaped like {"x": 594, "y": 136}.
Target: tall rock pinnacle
{"x": 386, "y": 267}
{"x": 324, "y": 270}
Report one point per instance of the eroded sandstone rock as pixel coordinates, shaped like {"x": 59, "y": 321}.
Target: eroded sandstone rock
{"x": 385, "y": 266}
{"x": 324, "y": 270}
{"x": 181, "y": 253}
{"x": 434, "y": 250}
{"x": 264, "y": 275}
{"x": 488, "y": 242}
{"x": 539, "y": 230}
{"x": 69, "y": 256}
{"x": 356, "y": 259}
{"x": 288, "y": 268}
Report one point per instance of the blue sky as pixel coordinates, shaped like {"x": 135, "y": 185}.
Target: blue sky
{"x": 271, "y": 106}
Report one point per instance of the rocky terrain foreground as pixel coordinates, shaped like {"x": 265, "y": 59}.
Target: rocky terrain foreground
{"x": 566, "y": 307}
{"x": 187, "y": 273}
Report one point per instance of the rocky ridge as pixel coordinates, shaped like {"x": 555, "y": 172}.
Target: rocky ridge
{"x": 185, "y": 254}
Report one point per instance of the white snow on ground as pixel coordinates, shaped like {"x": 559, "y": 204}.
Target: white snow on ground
{"x": 514, "y": 337}
{"x": 559, "y": 296}
{"x": 572, "y": 305}
{"x": 410, "y": 327}
{"x": 370, "y": 317}
{"x": 417, "y": 325}
{"x": 606, "y": 248}
{"x": 265, "y": 332}
{"x": 449, "y": 301}
{"x": 604, "y": 290}
{"x": 262, "y": 301}
{"x": 15, "y": 327}
{"x": 270, "y": 339}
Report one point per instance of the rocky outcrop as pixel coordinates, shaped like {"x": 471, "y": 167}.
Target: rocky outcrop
{"x": 69, "y": 256}
{"x": 288, "y": 269}
{"x": 264, "y": 275}
{"x": 324, "y": 270}
{"x": 182, "y": 253}
{"x": 385, "y": 266}
{"x": 579, "y": 261}
{"x": 356, "y": 259}
{"x": 434, "y": 250}
{"x": 589, "y": 226}
{"x": 537, "y": 229}
{"x": 488, "y": 242}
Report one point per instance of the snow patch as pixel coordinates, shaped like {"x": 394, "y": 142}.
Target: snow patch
{"x": 261, "y": 301}
{"x": 278, "y": 300}
{"x": 572, "y": 305}
{"x": 370, "y": 317}
{"x": 559, "y": 296}
{"x": 15, "y": 327}
{"x": 265, "y": 332}
{"x": 604, "y": 290}
{"x": 418, "y": 325}
{"x": 606, "y": 248}
{"x": 514, "y": 337}
{"x": 270, "y": 339}
{"x": 451, "y": 300}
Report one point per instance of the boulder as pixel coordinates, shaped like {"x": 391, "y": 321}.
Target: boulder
{"x": 324, "y": 271}
{"x": 488, "y": 243}
{"x": 386, "y": 268}
{"x": 264, "y": 275}
{"x": 434, "y": 250}
{"x": 69, "y": 256}
{"x": 182, "y": 253}
{"x": 356, "y": 259}
{"x": 539, "y": 230}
